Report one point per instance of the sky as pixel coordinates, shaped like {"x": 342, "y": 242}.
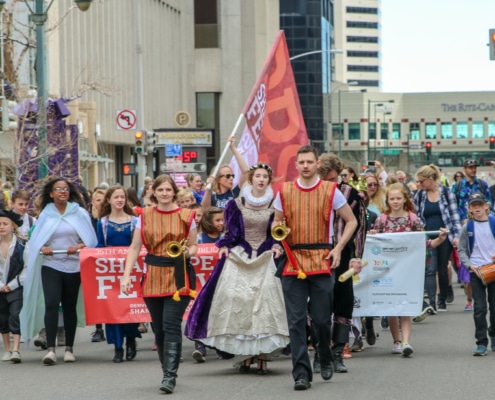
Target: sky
{"x": 437, "y": 45}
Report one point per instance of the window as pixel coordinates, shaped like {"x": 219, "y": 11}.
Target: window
{"x": 414, "y": 131}
{"x": 361, "y": 10}
{"x": 446, "y": 131}
{"x": 362, "y": 24}
{"x": 478, "y": 130}
{"x": 362, "y": 39}
{"x": 384, "y": 131}
{"x": 369, "y": 83}
{"x": 491, "y": 129}
{"x": 207, "y": 106}
{"x": 337, "y": 131}
{"x": 395, "y": 131}
{"x": 363, "y": 68}
{"x": 354, "y": 131}
{"x": 462, "y": 130}
{"x": 206, "y": 24}
{"x": 371, "y": 131}
{"x": 430, "y": 130}
{"x": 369, "y": 54}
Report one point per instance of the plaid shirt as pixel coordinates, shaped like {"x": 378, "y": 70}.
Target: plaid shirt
{"x": 462, "y": 194}
{"x": 448, "y": 208}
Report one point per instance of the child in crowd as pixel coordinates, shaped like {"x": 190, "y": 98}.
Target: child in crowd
{"x": 199, "y": 214}
{"x": 399, "y": 216}
{"x": 212, "y": 225}
{"x": 20, "y": 204}
{"x": 185, "y": 198}
{"x": 476, "y": 245}
{"x": 12, "y": 269}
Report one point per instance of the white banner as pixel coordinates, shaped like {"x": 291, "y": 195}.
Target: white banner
{"x": 392, "y": 284}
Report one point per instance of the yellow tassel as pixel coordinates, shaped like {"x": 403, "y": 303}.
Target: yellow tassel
{"x": 301, "y": 275}
{"x": 176, "y": 296}
{"x": 193, "y": 293}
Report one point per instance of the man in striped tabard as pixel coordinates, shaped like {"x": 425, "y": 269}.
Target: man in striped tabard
{"x": 307, "y": 206}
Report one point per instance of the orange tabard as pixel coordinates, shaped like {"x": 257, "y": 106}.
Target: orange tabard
{"x": 307, "y": 213}
{"x": 158, "y": 229}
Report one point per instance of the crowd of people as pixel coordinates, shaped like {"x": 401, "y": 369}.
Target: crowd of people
{"x": 275, "y": 288}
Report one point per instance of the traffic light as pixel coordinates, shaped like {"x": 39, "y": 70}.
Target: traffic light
{"x": 491, "y": 43}
{"x": 492, "y": 142}
{"x": 139, "y": 142}
{"x": 428, "y": 148}
{"x": 128, "y": 169}
{"x": 150, "y": 141}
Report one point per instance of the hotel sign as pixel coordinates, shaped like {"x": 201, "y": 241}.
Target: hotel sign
{"x": 464, "y": 107}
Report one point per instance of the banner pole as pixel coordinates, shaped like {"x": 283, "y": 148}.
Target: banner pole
{"x": 224, "y": 153}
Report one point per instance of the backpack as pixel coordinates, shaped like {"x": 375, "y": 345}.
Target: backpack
{"x": 470, "y": 229}
{"x": 457, "y": 192}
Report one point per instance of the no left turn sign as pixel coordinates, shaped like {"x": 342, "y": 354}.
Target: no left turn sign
{"x": 126, "y": 120}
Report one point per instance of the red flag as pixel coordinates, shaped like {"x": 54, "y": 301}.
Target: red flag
{"x": 275, "y": 126}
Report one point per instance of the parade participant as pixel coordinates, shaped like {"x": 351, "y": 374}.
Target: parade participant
{"x": 11, "y": 281}
{"x": 195, "y": 184}
{"x": 20, "y": 204}
{"x": 306, "y": 205}
{"x": 343, "y": 293}
{"x": 476, "y": 249}
{"x": 115, "y": 228}
{"x": 169, "y": 281}
{"x": 228, "y": 314}
{"x": 399, "y": 217}
{"x": 51, "y": 278}
{"x": 198, "y": 216}
{"x": 185, "y": 198}
{"x": 211, "y": 225}
{"x": 223, "y": 183}
{"x": 436, "y": 207}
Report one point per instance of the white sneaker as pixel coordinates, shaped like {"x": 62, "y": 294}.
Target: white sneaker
{"x": 397, "y": 349}
{"x": 407, "y": 349}
{"x": 50, "y": 358}
{"x": 69, "y": 357}
{"x": 16, "y": 357}
{"x": 7, "y": 356}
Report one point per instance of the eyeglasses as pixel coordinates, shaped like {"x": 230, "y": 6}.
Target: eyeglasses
{"x": 228, "y": 176}
{"x": 60, "y": 189}
{"x": 343, "y": 175}
{"x": 421, "y": 182}
{"x": 372, "y": 185}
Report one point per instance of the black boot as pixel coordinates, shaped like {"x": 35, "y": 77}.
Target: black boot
{"x": 159, "y": 351}
{"x": 171, "y": 360}
{"x": 119, "y": 355}
{"x": 340, "y": 337}
{"x": 316, "y": 363}
{"x": 130, "y": 349}
{"x": 338, "y": 361}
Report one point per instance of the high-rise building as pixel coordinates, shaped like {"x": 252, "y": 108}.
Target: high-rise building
{"x": 357, "y": 34}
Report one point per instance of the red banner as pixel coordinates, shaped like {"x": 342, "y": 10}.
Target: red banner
{"x": 101, "y": 271}
{"x": 275, "y": 126}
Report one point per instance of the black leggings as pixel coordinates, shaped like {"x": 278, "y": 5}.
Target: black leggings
{"x": 60, "y": 287}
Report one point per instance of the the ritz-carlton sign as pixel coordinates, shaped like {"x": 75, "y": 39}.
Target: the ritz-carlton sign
{"x": 467, "y": 107}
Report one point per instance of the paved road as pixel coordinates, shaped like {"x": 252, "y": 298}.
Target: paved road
{"x": 442, "y": 367}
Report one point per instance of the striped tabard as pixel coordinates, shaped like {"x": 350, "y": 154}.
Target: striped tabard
{"x": 307, "y": 213}
{"x": 158, "y": 229}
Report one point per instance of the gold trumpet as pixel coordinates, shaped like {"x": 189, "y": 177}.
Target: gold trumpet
{"x": 175, "y": 249}
{"x": 280, "y": 231}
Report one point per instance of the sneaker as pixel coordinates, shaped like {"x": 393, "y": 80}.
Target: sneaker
{"x": 423, "y": 315}
{"x": 384, "y": 323}
{"x": 98, "y": 336}
{"x": 468, "y": 307}
{"x": 50, "y": 358}
{"x": 357, "y": 346}
{"x": 370, "y": 336}
{"x": 347, "y": 351}
{"x": 432, "y": 310}
{"x": 198, "y": 356}
{"x": 442, "y": 307}
{"x": 40, "y": 341}
{"x": 407, "y": 349}
{"x": 450, "y": 295}
{"x": 16, "y": 357}
{"x": 69, "y": 357}
{"x": 7, "y": 356}
{"x": 480, "y": 351}
{"x": 397, "y": 349}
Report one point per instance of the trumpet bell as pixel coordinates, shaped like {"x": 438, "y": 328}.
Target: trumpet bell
{"x": 280, "y": 231}
{"x": 175, "y": 249}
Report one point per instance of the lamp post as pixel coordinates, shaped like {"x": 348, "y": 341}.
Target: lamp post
{"x": 369, "y": 111}
{"x": 341, "y": 128}
{"x": 39, "y": 16}
{"x": 308, "y": 53}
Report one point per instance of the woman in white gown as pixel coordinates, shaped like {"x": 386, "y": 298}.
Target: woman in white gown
{"x": 241, "y": 309}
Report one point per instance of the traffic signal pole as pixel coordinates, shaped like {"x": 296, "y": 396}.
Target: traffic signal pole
{"x": 140, "y": 124}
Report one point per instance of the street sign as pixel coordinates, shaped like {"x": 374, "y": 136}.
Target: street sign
{"x": 390, "y": 152}
{"x": 415, "y": 146}
{"x": 177, "y": 166}
{"x": 126, "y": 120}
{"x": 184, "y": 136}
{"x": 173, "y": 164}
{"x": 173, "y": 150}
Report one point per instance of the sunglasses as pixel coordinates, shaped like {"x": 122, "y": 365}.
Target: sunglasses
{"x": 60, "y": 189}
{"x": 343, "y": 175}
{"x": 228, "y": 176}
{"x": 372, "y": 184}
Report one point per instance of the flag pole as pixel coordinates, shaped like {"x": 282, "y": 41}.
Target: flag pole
{"x": 224, "y": 153}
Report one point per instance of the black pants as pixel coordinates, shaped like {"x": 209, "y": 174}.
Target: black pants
{"x": 480, "y": 294}
{"x": 166, "y": 315}
{"x": 60, "y": 288}
{"x": 10, "y": 308}
{"x": 319, "y": 289}
{"x": 444, "y": 252}
{"x": 343, "y": 292}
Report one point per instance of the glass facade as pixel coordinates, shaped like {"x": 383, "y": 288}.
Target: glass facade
{"x": 462, "y": 130}
{"x": 478, "y": 130}
{"x": 430, "y": 130}
{"x": 446, "y": 130}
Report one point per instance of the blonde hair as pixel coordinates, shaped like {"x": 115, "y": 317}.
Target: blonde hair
{"x": 185, "y": 193}
{"x": 378, "y": 199}
{"x": 429, "y": 171}
{"x": 408, "y": 204}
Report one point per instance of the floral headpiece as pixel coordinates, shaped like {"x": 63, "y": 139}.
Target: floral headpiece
{"x": 261, "y": 165}
{"x": 361, "y": 185}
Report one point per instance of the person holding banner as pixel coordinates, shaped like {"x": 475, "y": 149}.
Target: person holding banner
{"x": 53, "y": 274}
{"x": 399, "y": 216}
{"x": 241, "y": 308}
{"x": 307, "y": 207}
{"x": 115, "y": 228}
{"x": 169, "y": 234}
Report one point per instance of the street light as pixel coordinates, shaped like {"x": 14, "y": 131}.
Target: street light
{"x": 39, "y": 16}
{"x": 315, "y": 52}
{"x": 369, "y": 111}
{"x": 341, "y": 128}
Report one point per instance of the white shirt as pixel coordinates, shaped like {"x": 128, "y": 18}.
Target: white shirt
{"x": 64, "y": 237}
{"x": 484, "y": 244}
{"x": 5, "y": 267}
{"x": 338, "y": 202}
